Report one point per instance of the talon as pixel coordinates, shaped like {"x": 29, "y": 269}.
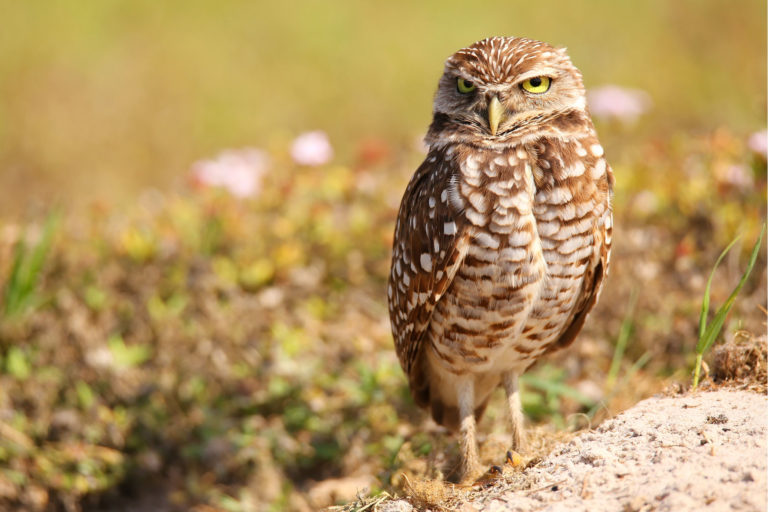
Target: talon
{"x": 493, "y": 474}
{"x": 514, "y": 459}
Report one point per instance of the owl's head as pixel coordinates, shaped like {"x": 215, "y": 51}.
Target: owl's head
{"x": 501, "y": 89}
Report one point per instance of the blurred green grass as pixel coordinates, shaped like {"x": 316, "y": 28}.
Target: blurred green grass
{"x": 99, "y": 99}
{"x": 236, "y": 354}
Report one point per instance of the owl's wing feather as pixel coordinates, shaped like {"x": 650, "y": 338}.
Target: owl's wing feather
{"x": 429, "y": 247}
{"x": 592, "y": 283}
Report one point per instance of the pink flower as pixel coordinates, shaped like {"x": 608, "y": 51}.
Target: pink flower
{"x": 614, "y": 102}
{"x": 736, "y": 175}
{"x": 312, "y": 148}
{"x": 239, "y": 171}
{"x": 758, "y": 142}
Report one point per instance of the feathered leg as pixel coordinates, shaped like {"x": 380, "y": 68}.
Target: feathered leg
{"x": 470, "y": 465}
{"x": 512, "y": 389}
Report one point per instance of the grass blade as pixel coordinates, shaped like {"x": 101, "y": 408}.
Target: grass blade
{"x": 705, "y": 301}
{"x": 713, "y": 329}
{"x": 621, "y": 342}
{"x": 556, "y": 389}
{"x": 11, "y": 292}
{"x": 19, "y": 290}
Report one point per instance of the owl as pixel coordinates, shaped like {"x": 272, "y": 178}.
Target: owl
{"x": 503, "y": 235}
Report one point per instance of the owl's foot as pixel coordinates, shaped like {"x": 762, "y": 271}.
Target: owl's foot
{"x": 494, "y": 473}
{"x": 513, "y": 459}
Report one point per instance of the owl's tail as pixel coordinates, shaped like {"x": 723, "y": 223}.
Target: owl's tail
{"x": 429, "y": 391}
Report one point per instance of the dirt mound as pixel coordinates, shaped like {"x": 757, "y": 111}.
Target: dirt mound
{"x": 744, "y": 360}
{"x": 702, "y": 451}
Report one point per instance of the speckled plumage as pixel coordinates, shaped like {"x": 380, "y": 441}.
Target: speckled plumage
{"x": 503, "y": 235}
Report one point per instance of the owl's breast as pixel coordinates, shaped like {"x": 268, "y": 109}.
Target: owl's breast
{"x": 531, "y": 242}
{"x": 504, "y": 271}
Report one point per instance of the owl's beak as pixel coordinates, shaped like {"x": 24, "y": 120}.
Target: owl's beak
{"x": 496, "y": 114}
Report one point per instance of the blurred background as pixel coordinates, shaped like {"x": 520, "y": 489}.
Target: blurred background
{"x": 196, "y": 212}
{"x": 103, "y": 99}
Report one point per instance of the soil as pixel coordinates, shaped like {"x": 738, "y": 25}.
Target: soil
{"x": 701, "y": 451}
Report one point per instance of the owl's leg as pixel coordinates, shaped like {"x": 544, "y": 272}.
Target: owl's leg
{"x": 512, "y": 389}
{"x": 470, "y": 465}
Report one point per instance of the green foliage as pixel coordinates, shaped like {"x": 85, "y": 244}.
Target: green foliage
{"x": 85, "y": 394}
{"x": 708, "y": 332}
{"x": 262, "y": 353}
{"x": 139, "y": 244}
{"x": 621, "y": 342}
{"x": 16, "y": 363}
{"x": 19, "y": 291}
{"x": 543, "y": 392}
{"x": 127, "y": 356}
{"x": 95, "y": 298}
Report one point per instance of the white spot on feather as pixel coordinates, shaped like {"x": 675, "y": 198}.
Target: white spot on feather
{"x": 487, "y": 240}
{"x": 477, "y": 199}
{"x": 478, "y": 219}
{"x": 426, "y": 261}
{"x": 520, "y": 238}
{"x": 598, "y": 170}
{"x": 577, "y": 169}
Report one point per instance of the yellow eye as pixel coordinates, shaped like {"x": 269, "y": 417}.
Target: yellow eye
{"x": 465, "y": 86}
{"x": 537, "y": 85}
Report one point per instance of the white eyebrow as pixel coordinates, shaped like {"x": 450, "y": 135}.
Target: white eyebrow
{"x": 546, "y": 71}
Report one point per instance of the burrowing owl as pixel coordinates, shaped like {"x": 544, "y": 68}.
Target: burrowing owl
{"x": 504, "y": 232}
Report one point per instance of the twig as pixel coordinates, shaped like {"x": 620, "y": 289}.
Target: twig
{"x": 584, "y": 493}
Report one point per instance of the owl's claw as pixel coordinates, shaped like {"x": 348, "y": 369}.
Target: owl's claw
{"x": 513, "y": 459}
{"x": 493, "y": 474}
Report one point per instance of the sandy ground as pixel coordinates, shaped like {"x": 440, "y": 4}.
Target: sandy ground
{"x": 704, "y": 451}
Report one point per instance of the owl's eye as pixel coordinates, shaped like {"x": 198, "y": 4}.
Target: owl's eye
{"x": 537, "y": 85}
{"x": 465, "y": 86}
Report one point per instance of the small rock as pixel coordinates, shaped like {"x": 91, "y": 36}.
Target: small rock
{"x": 620, "y": 470}
{"x": 717, "y": 420}
{"x": 395, "y": 506}
{"x": 636, "y": 504}
{"x": 595, "y": 456}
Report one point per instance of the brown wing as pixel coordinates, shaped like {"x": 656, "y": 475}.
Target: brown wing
{"x": 429, "y": 246}
{"x": 593, "y": 280}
